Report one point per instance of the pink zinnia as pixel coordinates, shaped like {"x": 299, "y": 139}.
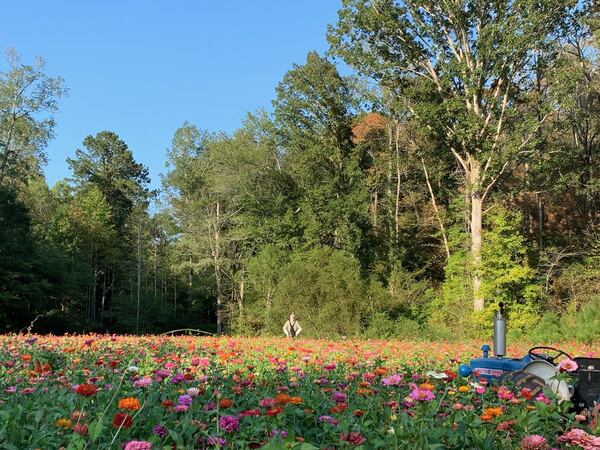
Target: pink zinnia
{"x": 393, "y": 380}
{"x": 580, "y": 438}
{"x": 267, "y": 402}
{"x": 80, "y": 428}
{"x": 534, "y": 442}
{"x": 202, "y": 362}
{"x": 422, "y": 395}
{"x": 505, "y": 394}
{"x": 181, "y": 408}
{"x": 542, "y": 398}
{"x": 143, "y": 382}
{"x": 138, "y": 445}
{"x": 567, "y": 365}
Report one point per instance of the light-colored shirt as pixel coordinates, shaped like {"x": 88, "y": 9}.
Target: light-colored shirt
{"x": 292, "y": 330}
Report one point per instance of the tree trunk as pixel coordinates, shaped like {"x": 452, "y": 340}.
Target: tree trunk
{"x": 476, "y": 228}
{"x": 540, "y": 209}
{"x": 175, "y": 295}
{"x": 103, "y": 297}
{"x": 435, "y": 209}
{"x": 190, "y": 278}
{"x": 139, "y": 278}
{"x": 216, "y": 259}
{"x": 375, "y": 208}
{"x": 241, "y": 296}
{"x": 155, "y": 269}
{"x": 397, "y": 200}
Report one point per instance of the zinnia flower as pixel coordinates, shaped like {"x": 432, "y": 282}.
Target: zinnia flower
{"x": 267, "y": 402}
{"x": 81, "y": 428}
{"x": 129, "y": 403}
{"x": 295, "y": 400}
{"x": 505, "y": 394}
{"x": 143, "y": 382}
{"x": 281, "y": 433}
{"x": 329, "y": 419}
{"x": 184, "y": 400}
{"x": 354, "y": 438}
{"x": 78, "y": 415}
{"x": 567, "y": 365}
{"x": 581, "y": 439}
{"x": 160, "y": 430}
{"x": 86, "y": 389}
{"x": 64, "y": 423}
{"x": 216, "y": 441}
{"x": 138, "y": 445}
{"x": 225, "y": 403}
{"x": 193, "y": 392}
{"x": 273, "y": 411}
{"x": 122, "y": 420}
{"x": 338, "y": 397}
{"x": 229, "y": 424}
{"x": 534, "y": 442}
{"x": 422, "y": 395}
{"x": 393, "y": 380}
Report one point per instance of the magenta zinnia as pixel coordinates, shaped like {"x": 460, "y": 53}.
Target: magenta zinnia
{"x": 229, "y": 424}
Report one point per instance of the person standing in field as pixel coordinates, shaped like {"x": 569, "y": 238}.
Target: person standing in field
{"x": 292, "y": 327}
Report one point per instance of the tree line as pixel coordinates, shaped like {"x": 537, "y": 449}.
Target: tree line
{"x": 452, "y": 164}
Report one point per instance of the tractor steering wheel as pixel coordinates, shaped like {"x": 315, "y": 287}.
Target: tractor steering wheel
{"x": 535, "y": 356}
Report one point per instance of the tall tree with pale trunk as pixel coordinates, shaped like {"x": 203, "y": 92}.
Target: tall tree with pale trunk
{"x": 466, "y": 68}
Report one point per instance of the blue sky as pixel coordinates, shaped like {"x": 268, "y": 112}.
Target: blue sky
{"x": 141, "y": 68}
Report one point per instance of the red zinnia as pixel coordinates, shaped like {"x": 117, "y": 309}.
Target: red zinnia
{"x": 353, "y": 438}
{"x": 86, "y": 389}
{"x": 273, "y": 411}
{"x": 122, "y": 419}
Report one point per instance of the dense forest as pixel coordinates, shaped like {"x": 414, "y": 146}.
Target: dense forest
{"x": 441, "y": 157}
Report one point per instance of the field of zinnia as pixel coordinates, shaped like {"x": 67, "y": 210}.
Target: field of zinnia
{"x": 156, "y": 392}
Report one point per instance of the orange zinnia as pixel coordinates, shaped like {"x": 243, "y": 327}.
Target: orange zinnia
{"x": 340, "y": 407}
{"x": 129, "y": 403}
{"x": 427, "y": 386}
{"x": 364, "y": 391}
{"x": 380, "y": 371}
{"x": 225, "y": 403}
{"x": 490, "y": 413}
{"x": 295, "y": 400}
{"x": 282, "y": 399}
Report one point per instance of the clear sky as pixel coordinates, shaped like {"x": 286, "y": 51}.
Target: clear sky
{"x": 141, "y": 68}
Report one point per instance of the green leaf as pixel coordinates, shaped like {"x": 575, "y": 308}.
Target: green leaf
{"x": 96, "y": 430}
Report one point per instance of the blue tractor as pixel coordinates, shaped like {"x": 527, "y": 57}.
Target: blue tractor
{"x": 536, "y": 370}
